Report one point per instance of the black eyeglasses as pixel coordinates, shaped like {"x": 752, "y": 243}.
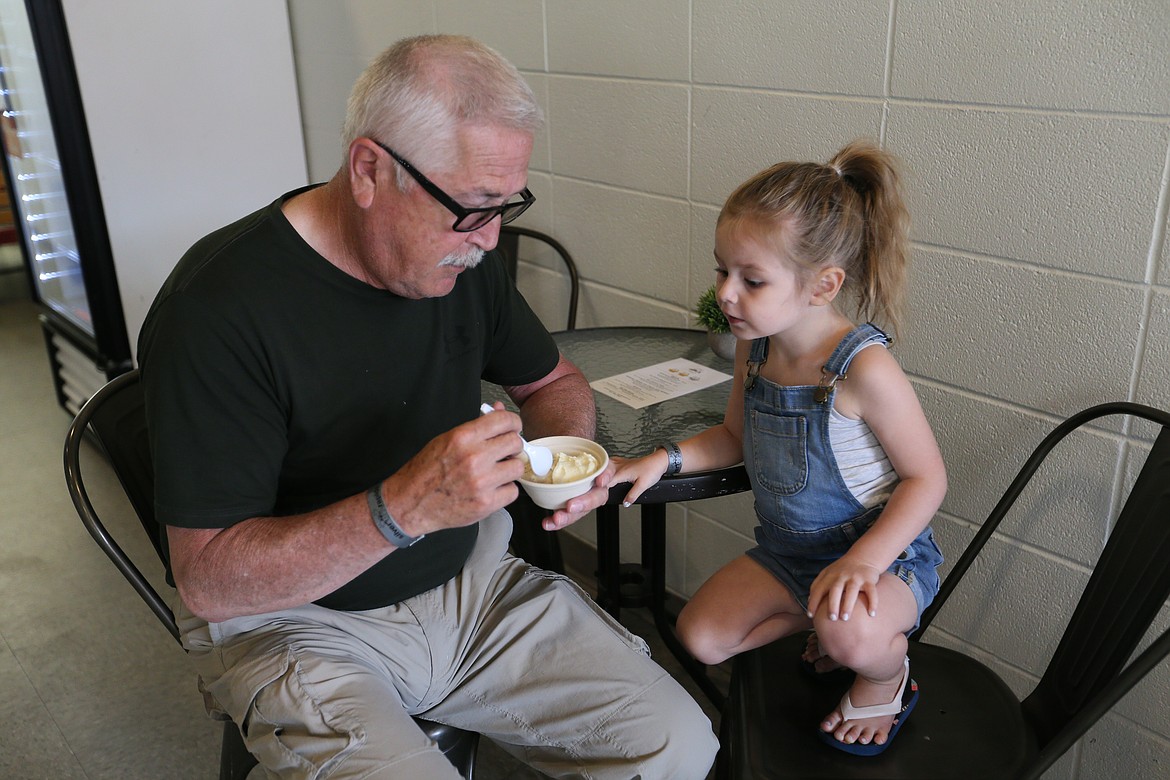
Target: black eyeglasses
{"x": 466, "y": 220}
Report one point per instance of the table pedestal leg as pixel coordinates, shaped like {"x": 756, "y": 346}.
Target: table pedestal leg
{"x": 644, "y": 585}
{"x": 608, "y": 561}
{"x": 654, "y": 556}
{"x": 618, "y": 584}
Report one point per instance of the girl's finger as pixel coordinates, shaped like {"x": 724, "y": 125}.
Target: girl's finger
{"x": 814, "y": 600}
{"x": 834, "y": 603}
{"x": 848, "y": 599}
{"x": 632, "y": 496}
{"x": 871, "y": 595}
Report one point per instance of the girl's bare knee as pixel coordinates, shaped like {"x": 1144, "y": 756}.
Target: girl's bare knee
{"x": 849, "y": 643}
{"x": 701, "y": 639}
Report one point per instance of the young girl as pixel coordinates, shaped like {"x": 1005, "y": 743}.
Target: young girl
{"x": 844, "y": 468}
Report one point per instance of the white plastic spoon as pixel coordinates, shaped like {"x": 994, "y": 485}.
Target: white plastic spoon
{"x": 539, "y": 458}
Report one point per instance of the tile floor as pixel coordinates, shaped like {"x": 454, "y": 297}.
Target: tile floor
{"x": 91, "y": 685}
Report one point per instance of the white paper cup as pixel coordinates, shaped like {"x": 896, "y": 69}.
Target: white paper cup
{"x": 554, "y": 495}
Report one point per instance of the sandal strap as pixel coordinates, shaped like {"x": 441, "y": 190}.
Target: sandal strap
{"x": 893, "y": 707}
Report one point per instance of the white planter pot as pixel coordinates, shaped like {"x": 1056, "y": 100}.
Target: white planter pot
{"x": 722, "y": 344}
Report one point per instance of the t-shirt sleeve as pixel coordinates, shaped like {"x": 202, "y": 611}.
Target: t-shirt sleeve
{"x": 217, "y": 430}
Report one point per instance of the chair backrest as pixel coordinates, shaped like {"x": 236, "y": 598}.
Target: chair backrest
{"x": 116, "y": 418}
{"x": 509, "y": 246}
{"x": 1087, "y": 673}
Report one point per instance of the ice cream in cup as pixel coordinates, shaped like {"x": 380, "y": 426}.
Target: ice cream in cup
{"x": 576, "y": 463}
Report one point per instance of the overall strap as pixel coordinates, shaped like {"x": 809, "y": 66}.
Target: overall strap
{"x": 756, "y": 358}
{"x": 838, "y": 365}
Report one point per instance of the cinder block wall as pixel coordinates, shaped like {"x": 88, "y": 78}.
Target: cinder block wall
{"x": 1037, "y": 141}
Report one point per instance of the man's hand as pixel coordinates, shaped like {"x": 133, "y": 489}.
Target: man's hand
{"x": 584, "y": 504}
{"x": 459, "y": 477}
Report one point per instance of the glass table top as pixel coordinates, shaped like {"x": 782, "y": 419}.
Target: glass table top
{"x": 604, "y": 352}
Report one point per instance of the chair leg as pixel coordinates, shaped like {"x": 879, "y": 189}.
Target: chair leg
{"x": 462, "y": 754}
{"x": 722, "y": 767}
{"x": 457, "y": 745}
{"x": 234, "y": 759}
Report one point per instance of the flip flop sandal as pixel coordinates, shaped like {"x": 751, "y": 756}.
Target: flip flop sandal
{"x": 901, "y": 705}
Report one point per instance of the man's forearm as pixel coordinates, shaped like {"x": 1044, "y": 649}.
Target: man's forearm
{"x": 563, "y": 407}
{"x": 267, "y": 563}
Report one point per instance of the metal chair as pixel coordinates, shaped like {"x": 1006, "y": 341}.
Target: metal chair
{"x": 115, "y": 417}
{"x": 968, "y": 723}
{"x": 509, "y": 247}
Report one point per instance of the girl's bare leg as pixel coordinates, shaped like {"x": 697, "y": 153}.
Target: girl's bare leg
{"x": 741, "y": 607}
{"x": 875, "y": 648}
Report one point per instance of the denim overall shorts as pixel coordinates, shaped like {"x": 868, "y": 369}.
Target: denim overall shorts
{"x": 807, "y": 516}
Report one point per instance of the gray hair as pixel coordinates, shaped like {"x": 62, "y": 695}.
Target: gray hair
{"x": 416, "y": 94}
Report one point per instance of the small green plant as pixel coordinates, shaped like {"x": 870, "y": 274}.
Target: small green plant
{"x": 708, "y": 313}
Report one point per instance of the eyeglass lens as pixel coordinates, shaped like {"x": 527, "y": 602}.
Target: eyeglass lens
{"x": 477, "y": 219}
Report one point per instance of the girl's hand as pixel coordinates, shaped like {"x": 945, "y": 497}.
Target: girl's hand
{"x": 839, "y": 586}
{"x": 644, "y": 472}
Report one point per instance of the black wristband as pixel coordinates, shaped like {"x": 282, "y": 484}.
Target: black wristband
{"x": 673, "y": 458}
{"x": 385, "y": 523}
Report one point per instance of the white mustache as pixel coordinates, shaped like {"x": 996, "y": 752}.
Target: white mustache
{"x": 469, "y": 259}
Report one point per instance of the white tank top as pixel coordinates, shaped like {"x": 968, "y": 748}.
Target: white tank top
{"x": 861, "y": 460}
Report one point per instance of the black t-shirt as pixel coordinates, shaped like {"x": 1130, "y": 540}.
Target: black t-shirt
{"x": 276, "y": 384}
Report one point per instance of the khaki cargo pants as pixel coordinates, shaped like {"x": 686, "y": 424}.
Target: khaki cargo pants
{"x": 516, "y": 653}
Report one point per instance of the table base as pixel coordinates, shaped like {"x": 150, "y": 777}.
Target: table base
{"x": 644, "y": 584}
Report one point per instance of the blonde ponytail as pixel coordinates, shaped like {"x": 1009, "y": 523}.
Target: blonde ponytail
{"x": 880, "y": 269}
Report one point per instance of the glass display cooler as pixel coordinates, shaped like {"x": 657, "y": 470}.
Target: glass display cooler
{"x": 57, "y": 204}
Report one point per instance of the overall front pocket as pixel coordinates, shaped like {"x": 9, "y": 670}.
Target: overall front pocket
{"x": 780, "y": 452}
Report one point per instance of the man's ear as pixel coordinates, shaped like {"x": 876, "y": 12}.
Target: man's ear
{"x": 363, "y": 171}
{"x": 827, "y": 284}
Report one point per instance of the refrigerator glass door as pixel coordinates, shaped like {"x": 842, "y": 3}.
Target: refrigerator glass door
{"x": 38, "y": 189}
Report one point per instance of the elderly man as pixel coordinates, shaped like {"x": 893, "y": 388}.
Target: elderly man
{"x": 334, "y": 503}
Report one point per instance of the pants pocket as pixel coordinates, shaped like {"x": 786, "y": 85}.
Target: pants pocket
{"x": 567, "y": 585}
{"x": 285, "y": 721}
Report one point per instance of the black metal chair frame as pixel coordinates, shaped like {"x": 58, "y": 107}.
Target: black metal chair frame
{"x": 115, "y": 418}
{"x": 1086, "y": 676}
{"x": 509, "y": 246}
